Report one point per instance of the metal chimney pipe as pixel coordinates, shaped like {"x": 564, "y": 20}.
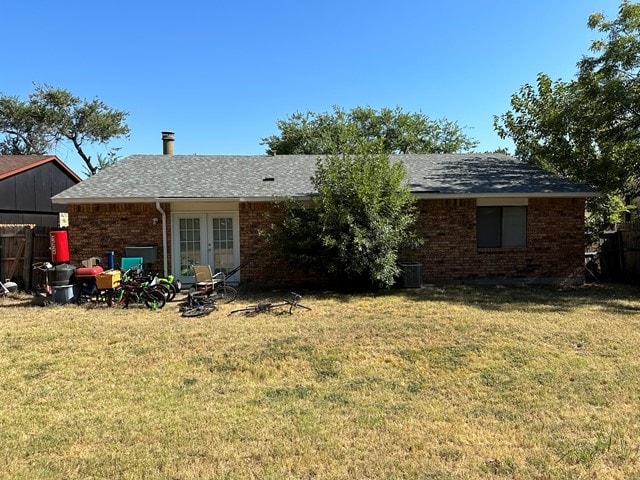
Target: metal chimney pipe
{"x": 167, "y": 142}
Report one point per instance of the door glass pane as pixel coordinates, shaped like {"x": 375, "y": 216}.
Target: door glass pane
{"x": 222, "y": 243}
{"x": 189, "y": 245}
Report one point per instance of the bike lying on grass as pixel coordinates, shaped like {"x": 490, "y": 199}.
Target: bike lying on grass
{"x": 277, "y": 308}
{"x": 198, "y": 304}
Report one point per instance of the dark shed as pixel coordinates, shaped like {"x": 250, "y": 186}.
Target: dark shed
{"x": 27, "y": 183}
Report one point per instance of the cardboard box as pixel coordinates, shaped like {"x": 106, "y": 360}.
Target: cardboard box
{"x": 108, "y": 279}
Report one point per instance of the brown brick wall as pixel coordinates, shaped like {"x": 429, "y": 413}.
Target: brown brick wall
{"x": 96, "y": 229}
{"x": 555, "y": 241}
{"x": 555, "y": 248}
{"x": 266, "y": 267}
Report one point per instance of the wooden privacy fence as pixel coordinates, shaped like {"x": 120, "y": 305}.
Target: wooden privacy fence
{"x": 20, "y": 247}
{"x": 620, "y": 253}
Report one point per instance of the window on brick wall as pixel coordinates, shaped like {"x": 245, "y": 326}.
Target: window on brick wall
{"x": 501, "y": 227}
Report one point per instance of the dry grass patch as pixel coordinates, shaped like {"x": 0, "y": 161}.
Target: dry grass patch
{"x": 454, "y": 382}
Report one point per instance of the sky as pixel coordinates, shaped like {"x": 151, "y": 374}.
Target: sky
{"x": 221, "y": 74}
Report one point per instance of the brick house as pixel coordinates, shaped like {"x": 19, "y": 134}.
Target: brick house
{"x": 484, "y": 218}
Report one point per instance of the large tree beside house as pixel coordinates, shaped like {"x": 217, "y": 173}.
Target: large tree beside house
{"x": 52, "y": 116}
{"x": 341, "y": 131}
{"x": 363, "y": 211}
{"x": 588, "y": 129}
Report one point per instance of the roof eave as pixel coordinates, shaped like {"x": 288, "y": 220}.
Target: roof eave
{"x": 419, "y": 195}
{"x": 45, "y": 159}
{"x": 440, "y": 195}
{"x": 102, "y": 200}
{"x": 78, "y": 201}
{"x": 273, "y": 198}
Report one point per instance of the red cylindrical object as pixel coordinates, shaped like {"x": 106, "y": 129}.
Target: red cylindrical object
{"x": 59, "y": 244}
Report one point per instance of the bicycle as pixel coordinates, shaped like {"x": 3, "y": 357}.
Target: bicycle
{"x": 277, "y": 308}
{"x": 135, "y": 288}
{"x": 198, "y": 304}
{"x": 170, "y": 285}
{"x": 173, "y": 284}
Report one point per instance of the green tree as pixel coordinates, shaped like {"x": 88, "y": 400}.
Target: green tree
{"x": 340, "y": 131}
{"x": 587, "y": 129}
{"x": 356, "y": 225}
{"x": 104, "y": 160}
{"x": 52, "y": 116}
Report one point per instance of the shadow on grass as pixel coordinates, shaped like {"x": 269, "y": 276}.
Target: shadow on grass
{"x": 614, "y": 297}
{"x": 255, "y": 294}
{"x": 18, "y": 300}
{"x": 618, "y": 298}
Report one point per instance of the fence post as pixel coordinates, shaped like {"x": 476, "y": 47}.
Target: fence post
{"x": 28, "y": 256}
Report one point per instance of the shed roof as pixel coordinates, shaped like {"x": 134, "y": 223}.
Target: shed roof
{"x": 259, "y": 177}
{"x": 14, "y": 164}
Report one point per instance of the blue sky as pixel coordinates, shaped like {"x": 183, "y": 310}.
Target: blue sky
{"x": 220, "y": 74}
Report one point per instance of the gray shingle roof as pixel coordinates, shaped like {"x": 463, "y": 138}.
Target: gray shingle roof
{"x": 158, "y": 177}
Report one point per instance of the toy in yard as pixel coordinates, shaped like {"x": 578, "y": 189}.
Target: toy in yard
{"x": 7, "y": 288}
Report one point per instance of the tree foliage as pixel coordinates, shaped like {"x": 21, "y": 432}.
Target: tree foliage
{"x": 355, "y": 227}
{"x": 340, "y": 131}
{"x": 588, "y": 128}
{"x": 53, "y": 115}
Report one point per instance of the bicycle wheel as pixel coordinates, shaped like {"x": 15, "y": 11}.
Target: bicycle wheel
{"x": 195, "y": 299}
{"x": 226, "y": 294}
{"x": 129, "y": 298}
{"x": 299, "y": 305}
{"x": 246, "y": 312}
{"x": 114, "y": 296}
{"x": 170, "y": 288}
{"x": 164, "y": 289}
{"x": 253, "y": 310}
{"x": 173, "y": 291}
{"x": 200, "y": 311}
{"x": 153, "y": 299}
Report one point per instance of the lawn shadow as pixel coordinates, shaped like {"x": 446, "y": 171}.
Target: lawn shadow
{"x": 255, "y": 294}
{"x": 614, "y": 297}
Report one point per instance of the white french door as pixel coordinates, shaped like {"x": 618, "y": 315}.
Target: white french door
{"x": 205, "y": 239}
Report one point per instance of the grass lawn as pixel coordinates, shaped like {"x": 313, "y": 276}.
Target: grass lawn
{"x": 453, "y": 382}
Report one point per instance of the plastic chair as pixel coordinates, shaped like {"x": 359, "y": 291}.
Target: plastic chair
{"x": 127, "y": 263}
{"x": 205, "y": 280}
